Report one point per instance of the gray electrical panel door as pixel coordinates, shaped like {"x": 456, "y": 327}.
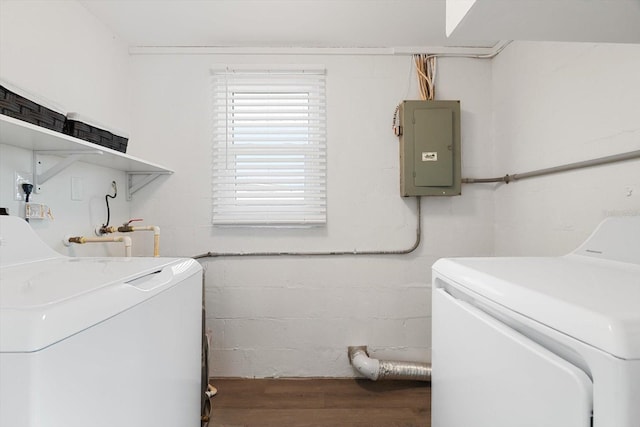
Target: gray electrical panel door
{"x": 430, "y": 148}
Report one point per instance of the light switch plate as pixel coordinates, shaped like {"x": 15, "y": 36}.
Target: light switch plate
{"x": 77, "y": 188}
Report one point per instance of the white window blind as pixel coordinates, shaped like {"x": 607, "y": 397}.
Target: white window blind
{"x": 269, "y": 147}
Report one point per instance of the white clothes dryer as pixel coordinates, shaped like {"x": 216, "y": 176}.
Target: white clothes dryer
{"x": 540, "y": 341}
{"x": 109, "y": 342}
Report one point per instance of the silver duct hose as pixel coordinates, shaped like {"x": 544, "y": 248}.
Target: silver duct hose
{"x": 375, "y": 369}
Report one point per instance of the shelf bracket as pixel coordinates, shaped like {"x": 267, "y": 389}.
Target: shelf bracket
{"x": 70, "y": 157}
{"x": 133, "y": 185}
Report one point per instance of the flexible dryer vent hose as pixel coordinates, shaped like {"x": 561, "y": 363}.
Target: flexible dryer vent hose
{"x": 375, "y": 369}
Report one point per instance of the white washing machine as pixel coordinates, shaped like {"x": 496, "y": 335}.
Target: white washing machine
{"x": 540, "y": 342}
{"x": 110, "y": 342}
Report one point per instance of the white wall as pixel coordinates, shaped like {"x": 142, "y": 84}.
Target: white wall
{"x": 557, "y": 103}
{"x": 59, "y": 51}
{"x": 269, "y": 317}
{"x": 296, "y": 316}
{"x": 535, "y": 105}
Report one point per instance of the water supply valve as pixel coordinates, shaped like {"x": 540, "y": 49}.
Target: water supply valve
{"x": 126, "y": 227}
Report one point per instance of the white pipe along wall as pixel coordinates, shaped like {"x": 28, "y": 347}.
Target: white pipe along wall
{"x": 81, "y": 240}
{"x": 127, "y": 228}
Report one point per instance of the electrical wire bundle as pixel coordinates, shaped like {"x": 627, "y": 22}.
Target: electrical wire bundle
{"x": 426, "y": 70}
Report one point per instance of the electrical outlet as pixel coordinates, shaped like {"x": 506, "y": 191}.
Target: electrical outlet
{"x": 19, "y": 179}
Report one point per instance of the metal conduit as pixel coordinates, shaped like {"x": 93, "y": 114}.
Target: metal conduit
{"x": 326, "y": 253}
{"x": 556, "y": 169}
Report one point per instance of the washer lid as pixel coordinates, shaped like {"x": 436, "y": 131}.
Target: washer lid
{"x": 19, "y": 243}
{"x": 43, "y": 302}
{"x": 592, "y": 295}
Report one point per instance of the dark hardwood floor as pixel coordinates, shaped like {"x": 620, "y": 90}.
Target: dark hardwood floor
{"x": 320, "y": 402}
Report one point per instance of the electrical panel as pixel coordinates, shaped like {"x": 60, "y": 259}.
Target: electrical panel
{"x": 429, "y": 148}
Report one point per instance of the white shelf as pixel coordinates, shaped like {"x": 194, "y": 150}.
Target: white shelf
{"x": 25, "y": 135}
{"x": 45, "y": 141}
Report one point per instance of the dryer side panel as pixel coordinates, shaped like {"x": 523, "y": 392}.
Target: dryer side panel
{"x": 486, "y": 374}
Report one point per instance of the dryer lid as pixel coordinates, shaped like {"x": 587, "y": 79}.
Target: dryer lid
{"x": 592, "y": 295}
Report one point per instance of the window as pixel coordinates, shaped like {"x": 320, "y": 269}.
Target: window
{"x": 269, "y": 147}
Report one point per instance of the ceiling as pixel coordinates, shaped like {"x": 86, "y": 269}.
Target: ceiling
{"x": 363, "y": 23}
{"x": 277, "y": 23}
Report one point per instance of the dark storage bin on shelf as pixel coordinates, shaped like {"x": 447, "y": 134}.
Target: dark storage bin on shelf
{"x": 17, "y": 106}
{"x": 97, "y": 135}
